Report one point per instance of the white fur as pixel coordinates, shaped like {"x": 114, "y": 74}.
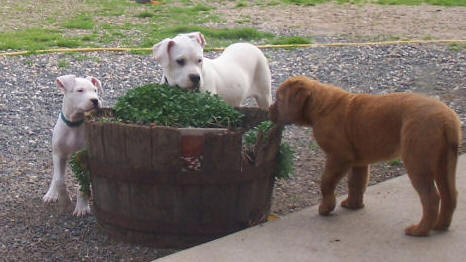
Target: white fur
{"x": 241, "y": 71}
{"x": 79, "y": 94}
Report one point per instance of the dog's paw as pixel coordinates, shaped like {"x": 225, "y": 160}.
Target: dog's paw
{"x": 441, "y": 226}
{"x": 327, "y": 205}
{"x": 352, "y": 204}
{"x": 81, "y": 211}
{"x": 416, "y": 231}
{"x": 82, "y": 205}
{"x": 56, "y": 193}
{"x": 324, "y": 210}
{"x": 51, "y": 196}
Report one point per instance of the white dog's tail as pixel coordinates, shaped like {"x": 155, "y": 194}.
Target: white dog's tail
{"x": 263, "y": 83}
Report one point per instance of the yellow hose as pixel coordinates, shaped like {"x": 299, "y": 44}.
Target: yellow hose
{"x": 128, "y": 49}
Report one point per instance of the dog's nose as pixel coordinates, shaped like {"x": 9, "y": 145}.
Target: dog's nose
{"x": 95, "y": 101}
{"x": 195, "y": 78}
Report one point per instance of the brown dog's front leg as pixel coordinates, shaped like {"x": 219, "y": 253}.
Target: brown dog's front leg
{"x": 334, "y": 171}
{"x": 357, "y": 183}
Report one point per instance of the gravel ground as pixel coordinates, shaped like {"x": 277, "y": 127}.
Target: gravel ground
{"x": 30, "y": 102}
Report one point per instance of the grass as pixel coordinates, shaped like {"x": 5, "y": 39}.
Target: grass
{"x": 36, "y": 38}
{"x": 102, "y": 23}
{"x": 241, "y": 3}
{"x": 223, "y": 34}
{"x": 291, "y": 40}
{"x": 214, "y": 37}
{"x": 395, "y": 162}
{"x": 145, "y": 14}
{"x": 81, "y": 21}
{"x": 456, "y": 46}
{"x": 63, "y": 64}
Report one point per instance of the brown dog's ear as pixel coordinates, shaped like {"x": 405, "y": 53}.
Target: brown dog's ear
{"x": 297, "y": 95}
{"x": 302, "y": 101}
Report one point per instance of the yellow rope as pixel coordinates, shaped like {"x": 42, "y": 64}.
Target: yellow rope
{"x": 127, "y": 49}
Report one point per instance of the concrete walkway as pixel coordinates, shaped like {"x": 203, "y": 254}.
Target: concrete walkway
{"x": 374, "y": 233}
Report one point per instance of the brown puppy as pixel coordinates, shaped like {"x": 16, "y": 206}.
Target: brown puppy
{"x": 355, "y": 130}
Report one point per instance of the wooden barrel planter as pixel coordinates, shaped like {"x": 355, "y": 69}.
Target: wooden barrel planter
{"x": 173, "y": 187}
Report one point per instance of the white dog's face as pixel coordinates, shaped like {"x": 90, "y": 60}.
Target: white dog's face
{"x": 181, "y": 59}
{"x": 81, "y": 94}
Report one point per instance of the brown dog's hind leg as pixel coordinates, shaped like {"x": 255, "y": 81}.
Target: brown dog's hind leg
{"x": 424, "y": 184}
{"x": 357, "y": 183}
{"x": 445, "y": 180}
{"x": 334, "y": 171}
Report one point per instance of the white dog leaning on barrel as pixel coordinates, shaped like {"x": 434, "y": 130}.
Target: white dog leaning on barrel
{"x": 80, "y": 95}
{"x": 241, "y": 71}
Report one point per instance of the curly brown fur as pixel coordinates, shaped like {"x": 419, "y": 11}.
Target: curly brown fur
{"x": 355, "y": 130}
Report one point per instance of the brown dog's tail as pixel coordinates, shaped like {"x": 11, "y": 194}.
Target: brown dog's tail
{"x": 446, "y": 182}
{"x": 453, "y": 135}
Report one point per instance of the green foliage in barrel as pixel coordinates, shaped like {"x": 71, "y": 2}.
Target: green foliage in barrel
{"x": 176, "y": 107}
{"x": 285, "y": 155}
{"x": 79, "y": 167}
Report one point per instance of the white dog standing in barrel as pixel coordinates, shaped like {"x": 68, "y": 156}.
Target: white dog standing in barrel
{"x": 80, "y": 96}
{"x": 241, "y": 71}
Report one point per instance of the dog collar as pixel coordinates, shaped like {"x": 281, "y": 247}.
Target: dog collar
{"x": 68, "y": 122}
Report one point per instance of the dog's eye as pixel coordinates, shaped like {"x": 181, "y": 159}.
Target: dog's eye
{"x": 80, "y": 90}
{"x": 199, "y": 61}
{"x": 180, "y": 61}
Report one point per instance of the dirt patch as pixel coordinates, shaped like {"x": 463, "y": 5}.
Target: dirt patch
{"x": 366, "y": 22}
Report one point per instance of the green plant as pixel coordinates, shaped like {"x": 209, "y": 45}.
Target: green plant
{"x": 171, "y": 106}
{"x": 250, "y": 137}
{"x": 79, "y": 167}
{"x": 285, "y": 160}
{"x": 106, "y": 120}
{"x": 285, "y": 155}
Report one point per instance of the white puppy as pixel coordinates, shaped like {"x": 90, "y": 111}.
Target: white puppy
{"x": 80, "y": 96}
{"x": 241, "y": 71}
